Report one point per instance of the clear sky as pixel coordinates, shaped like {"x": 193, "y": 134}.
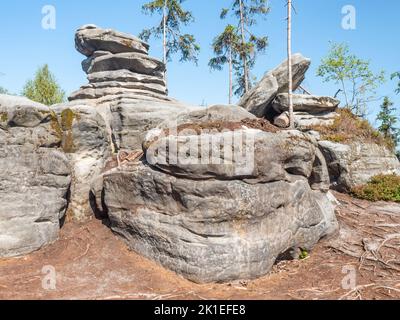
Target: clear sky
{"x": 25, "y": 45}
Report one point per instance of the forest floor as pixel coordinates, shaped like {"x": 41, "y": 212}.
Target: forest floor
{"x": 360, "y": 262}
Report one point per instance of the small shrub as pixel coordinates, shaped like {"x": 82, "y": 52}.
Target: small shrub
{"x": 303, "y": 254}
{"x": 348, "y": 127}
{"x": 379, "y": 188}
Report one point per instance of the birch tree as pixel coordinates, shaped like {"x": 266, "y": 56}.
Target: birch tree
{"x": 357, "y": 83}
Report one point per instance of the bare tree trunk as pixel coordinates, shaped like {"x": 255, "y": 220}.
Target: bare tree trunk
{"x": 165, "y": 40}
{"x": 230, "y": 76}
{"x": 244, "y": 58}
{"x": 290, "y": 72}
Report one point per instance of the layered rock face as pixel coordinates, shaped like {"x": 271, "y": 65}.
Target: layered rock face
{"x": 126, "y": 96}
{"x": 117, "y": 63}
{"x": 213, "y": 215}
{"x": 355, "y": 163}
{"x": 34, "y": 176}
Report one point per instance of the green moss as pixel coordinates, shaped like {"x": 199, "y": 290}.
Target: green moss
{"x": 379, "y": 188}
{"x": 3, "y": 116}
{"x": 55, "y": 125}
{"x": 62, "y": 127}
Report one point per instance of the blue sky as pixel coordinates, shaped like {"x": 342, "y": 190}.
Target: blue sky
{"x": 25, "y": 45}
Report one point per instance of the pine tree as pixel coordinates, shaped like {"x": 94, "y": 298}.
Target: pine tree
{"x": 226, "y": 48}
{"x": 173, "y": 16}
{"x": 397, "y": 75}
{"x": 3, "y": 90}
{"x": 247, "y": 11}
{"x": 388, "y": 121}
{"x": 44, "y": 88}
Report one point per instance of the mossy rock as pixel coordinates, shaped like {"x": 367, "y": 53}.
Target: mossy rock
{"x": 3, "y": 116}
{"x": 62, "y": 126}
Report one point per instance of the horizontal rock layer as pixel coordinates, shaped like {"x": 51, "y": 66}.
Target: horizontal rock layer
{"x": 91, "y": 38}
{"x": 305, "y": 103}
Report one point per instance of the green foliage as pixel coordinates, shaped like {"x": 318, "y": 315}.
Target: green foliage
{"x": 357, "y": 82}
{"x": 226, "y": 46}
{"x": 388, "y": 121}
{"x": 396, "y": 75}
{"x": 44, "y": 88}
{"x": 379, "y": 188}
{"x": 176, "y": 42}
{"x": 303, "y": 254}
{"x": 3, "y": 90}
{"x": 247, "y": 12}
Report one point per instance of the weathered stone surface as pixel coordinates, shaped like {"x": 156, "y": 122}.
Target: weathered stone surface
{"x": 215, "y": 113}
{"x": 124, "y": 76}
{"x": 213, "y": 230}
{"x": 304, "y": 120}
{"x": 258, "y": 100}
{"x": 305, "y": 103}
{"x": 320, "y": 179}
{"x": 34, "y": 176}
{"x": 90, "y": 38}
{"x": 134, "y": 62}
{"x": 251, "y": 155}
{"x": 132, "y": 119}
{"x": 86, "y": 143}
{"x": 113, "y": 93}
{"x": 156, "y": 88}
{"x": 355, "y": 163}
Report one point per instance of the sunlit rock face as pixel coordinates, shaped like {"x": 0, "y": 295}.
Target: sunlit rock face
{"x": 34, "y": 176}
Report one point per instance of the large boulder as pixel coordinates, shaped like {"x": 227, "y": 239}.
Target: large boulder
{"x": 222, "y": 216}
{"x": 355, "y": 163}
{"x": 34, "y": 176}
{"x": 305, "y": 103}
{"x": 90, "y": 38}
{"x": 259, "y": 99}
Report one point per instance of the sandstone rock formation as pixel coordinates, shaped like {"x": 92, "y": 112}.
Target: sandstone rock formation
{"x": 251, "y": 192}
{"x": 34, "y": 176}
{"x": 349, "y": 164}
{"x": 126, "y": 97}
{"x": 356, "y": 163}
{"x": 258, "y": 100}
{"x": 216, "y": 215}
{"x": 116, "y": 64}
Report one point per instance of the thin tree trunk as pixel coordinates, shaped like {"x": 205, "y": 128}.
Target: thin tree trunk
{"x": 165, "y": 41}
{"x": 244, "y": 58}
{"x": 230, "y": 76}
{"x": 290, "y": 73}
